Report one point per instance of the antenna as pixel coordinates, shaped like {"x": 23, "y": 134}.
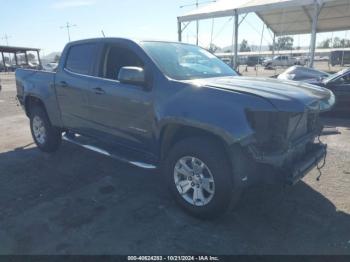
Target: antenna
{"x": 68, "y": 26}
{"x": 103, "y": 33}
{"x": 6, "y": 38}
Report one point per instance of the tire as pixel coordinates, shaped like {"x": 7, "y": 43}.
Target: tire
{"x": 268, "y": 66}
{"x": 216, "y": 166}
{"x": 47, "y": 137}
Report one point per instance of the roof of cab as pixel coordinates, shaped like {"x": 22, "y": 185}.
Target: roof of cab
{"x": 119, "y": 39}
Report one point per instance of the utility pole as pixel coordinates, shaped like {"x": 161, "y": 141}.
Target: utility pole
{"x": 197, "y": 21}
{"x": 6, "y": 38}
{"x": 68, "y": 26}
{"x": 197, "y": 25}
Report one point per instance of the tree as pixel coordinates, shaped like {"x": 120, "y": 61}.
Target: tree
{"x": 325, "y": 43}
{"x": 31, "y": 57}
{"x": 283, "y": 43}
{"x": 213, "y": 48}
{"x": 20, "y": 58}
{"x": 244, "y": 47}
{"x": 345, "y": 43}
{"x": 336, "y": 43}
{"x": 56, "y": 58}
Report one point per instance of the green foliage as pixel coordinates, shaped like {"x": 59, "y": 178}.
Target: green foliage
{"x": 213, "y": 48}
{"x": 31, "y": 57}
{"x": 336, "y": 42}
{"x": 56, "y": 59}
{"x": 283, "y": 43}
{"x": 244, "y": 47}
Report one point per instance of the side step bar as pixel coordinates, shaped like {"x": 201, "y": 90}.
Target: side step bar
{"x": 106, "y": 153}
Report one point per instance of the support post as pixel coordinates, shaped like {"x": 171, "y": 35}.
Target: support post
{"x": 3, "y": 60}
{"x": 197, "y": 26}
{"x": 313, "y": 33}
{"x": 16, "y": 60}
{"x": 39, "y": 60}
{"x": 26, "y": 56}
{"x": 236, "y": 40}
{"x": 197, "y": 32}
{"x": 179, "y": 31}
{"x": 273, "y": 44}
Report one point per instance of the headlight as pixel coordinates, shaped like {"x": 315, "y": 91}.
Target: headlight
{"x": 290, "y": 76}
{"x": 327, "y": 104}
{"x": 274, "y": 130}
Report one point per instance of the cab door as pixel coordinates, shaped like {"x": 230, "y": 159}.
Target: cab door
{"x": 73, "y": 86}
{"x": 122, "y": 113}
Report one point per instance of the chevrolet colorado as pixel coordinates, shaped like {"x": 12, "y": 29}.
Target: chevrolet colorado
{"x": 178, "y": 108}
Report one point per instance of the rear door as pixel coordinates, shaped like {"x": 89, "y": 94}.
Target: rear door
{"x": 122, "y": 113}
{"x": 73, "y": 86}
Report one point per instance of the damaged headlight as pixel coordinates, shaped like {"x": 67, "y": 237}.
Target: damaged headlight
{"x": 276, "y": 130}
{"x": 327, "y": 104}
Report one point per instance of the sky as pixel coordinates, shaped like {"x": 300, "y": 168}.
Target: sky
{"x": 36, "y": 23}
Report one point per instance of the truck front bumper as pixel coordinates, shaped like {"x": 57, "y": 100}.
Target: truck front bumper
{"x": 304, "y": 165}
{"x": 294, "y": 163}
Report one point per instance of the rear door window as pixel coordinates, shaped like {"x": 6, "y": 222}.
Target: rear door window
{"x": 80, "y": 58}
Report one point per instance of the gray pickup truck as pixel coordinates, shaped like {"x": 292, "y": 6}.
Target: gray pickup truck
{"x": 178, "y": 108}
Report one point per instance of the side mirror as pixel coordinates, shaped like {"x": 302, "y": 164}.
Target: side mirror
{"x": 132, "y": 75}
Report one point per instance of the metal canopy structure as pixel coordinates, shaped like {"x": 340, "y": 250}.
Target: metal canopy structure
{"x": 282, "y": 17}
{"x": 15, "y": 49}
{"x": 18, "y": 50}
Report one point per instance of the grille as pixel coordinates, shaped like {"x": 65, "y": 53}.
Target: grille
{"x": 297, "y": 126}
{"x": 312, "y": 122}
{"x": 275, "y": 131}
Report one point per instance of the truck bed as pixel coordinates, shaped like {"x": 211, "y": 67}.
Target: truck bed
{"x": 41, "y": 85}
{"x": 32, "y": 81}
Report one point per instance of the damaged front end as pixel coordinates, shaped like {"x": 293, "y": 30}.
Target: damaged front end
{"x": 286, "y": 141}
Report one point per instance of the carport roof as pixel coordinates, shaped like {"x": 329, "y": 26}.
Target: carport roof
{"x": 15, "y": 49}
{"x": 283, "y": 17}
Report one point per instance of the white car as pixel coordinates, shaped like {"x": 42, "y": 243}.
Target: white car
{"x": 50, "y": 66}
{"x": 282, "y": 60}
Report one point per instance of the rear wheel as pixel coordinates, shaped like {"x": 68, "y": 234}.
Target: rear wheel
{"x": 46, "y": 136}
{"x": 200, "y": 177}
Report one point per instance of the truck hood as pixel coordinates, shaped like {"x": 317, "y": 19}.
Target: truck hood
{"x": 283, "y": 95}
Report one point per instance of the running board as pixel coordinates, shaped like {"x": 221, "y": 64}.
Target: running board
{"x": 106, "y": 153}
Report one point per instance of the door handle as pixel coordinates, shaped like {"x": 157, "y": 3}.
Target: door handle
{"x": 63, "y": 84}
{"x": 99, "y": 91}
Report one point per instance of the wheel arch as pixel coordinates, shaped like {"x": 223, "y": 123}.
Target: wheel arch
{"x": 236, "y": 153}
{"x": 32, "y": 101}
{"x": 175, "y": 132}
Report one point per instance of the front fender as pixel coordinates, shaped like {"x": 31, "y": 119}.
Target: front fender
{"x": 220, "y": 112}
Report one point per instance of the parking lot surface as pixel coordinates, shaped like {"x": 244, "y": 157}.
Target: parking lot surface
{"x": 79, "y": 202}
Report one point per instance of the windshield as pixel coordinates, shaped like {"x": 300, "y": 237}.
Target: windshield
{"x": 334, "y": 76}
{"x": 185, "y": 62}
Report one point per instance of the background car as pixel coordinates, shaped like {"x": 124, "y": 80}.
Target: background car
{"x": 50, "y": 66}
{"x": 305, "y": 74}
{"x": 253, "y": 60}
{"x": 339, "y": 57}
{"x": 281, "y": 60}
{"x": 339, "y": 83}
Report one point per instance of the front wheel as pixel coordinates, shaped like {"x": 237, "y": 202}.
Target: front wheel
{"x": 200, "y": 177}
{"x": 46, "y": 136}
